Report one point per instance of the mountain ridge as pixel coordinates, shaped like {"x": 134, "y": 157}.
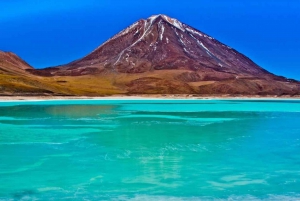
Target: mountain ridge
{"x": 15, "y": 63}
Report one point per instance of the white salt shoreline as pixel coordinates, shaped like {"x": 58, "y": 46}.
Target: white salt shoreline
{"x": 142, "y": 97}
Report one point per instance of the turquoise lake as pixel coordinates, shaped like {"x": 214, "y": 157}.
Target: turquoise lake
{"x": 150, "y": 150}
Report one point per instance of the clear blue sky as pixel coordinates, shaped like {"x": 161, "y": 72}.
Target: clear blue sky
{"x": 48, "y": 33}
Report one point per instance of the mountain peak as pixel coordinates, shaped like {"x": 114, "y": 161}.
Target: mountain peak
{"x": 167, "y": 19}
{"x": 157, "y": 15}
{"x": 161, "y": 42}
{"x": 153, "y": 17}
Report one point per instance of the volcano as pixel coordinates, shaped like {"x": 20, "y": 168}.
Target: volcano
{"x": 164, "y": 43}
{"x": 161, "y": 55}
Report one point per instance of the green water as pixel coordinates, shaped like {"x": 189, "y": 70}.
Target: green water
{"x": 150, "y": 150}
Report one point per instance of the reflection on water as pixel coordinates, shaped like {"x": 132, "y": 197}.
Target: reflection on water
{"x": 150, "y": 151}
{"x": 79, "y": 111}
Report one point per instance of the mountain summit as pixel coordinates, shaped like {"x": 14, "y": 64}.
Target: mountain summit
{"x": 162, "y": 55}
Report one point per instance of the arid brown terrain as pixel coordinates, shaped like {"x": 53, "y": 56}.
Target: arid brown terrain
{"x": 159, "y": 55}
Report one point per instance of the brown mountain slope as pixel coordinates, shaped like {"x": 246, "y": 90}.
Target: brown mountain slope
{"x": 12, "y": 64}
{"x": 15, "y": 79}
{"x": 13, "y": 75}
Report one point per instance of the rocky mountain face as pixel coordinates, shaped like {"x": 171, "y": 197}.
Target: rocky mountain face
{"x": 161, "y": 55}
{"x": 11, "y": 63}
{"x": 164, "y": 43}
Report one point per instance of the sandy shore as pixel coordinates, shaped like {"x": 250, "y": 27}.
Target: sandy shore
{"x": 139, "y": 97}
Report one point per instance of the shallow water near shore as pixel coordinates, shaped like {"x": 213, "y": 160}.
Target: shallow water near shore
{"x": 150, "y": 150}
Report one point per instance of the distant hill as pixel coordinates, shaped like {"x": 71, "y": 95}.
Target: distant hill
{"x": 14, "y": 79}
{"x": 11, "y": 63}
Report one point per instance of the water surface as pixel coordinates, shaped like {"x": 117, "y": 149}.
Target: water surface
{"x": 150, "y": 150}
